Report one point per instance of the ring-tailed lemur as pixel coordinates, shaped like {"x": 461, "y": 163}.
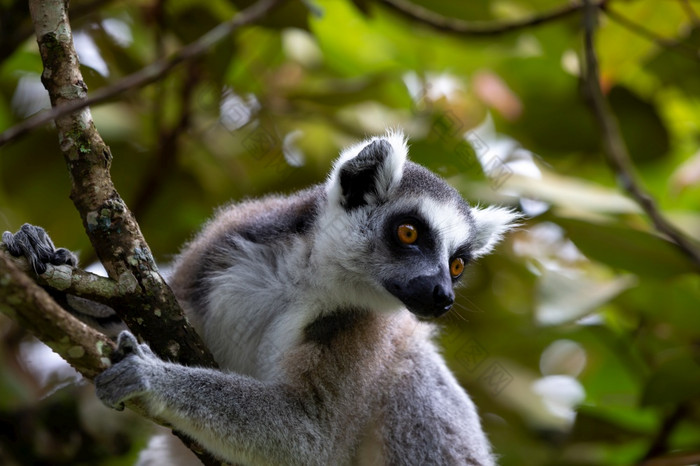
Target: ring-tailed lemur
{"x": 309, "y": 303}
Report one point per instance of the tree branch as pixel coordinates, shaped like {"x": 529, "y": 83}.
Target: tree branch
{"x": 78, "y": 282}
{"x": 690, "y": 11}
{"x": 675, "y": 45}
{"x": 168, "y": 148}
{"x": 484, "y": 29}
{"x": 146, "y": 75}
{"x": 151, "y": 312}
{"x": 615, "y": 149}
{"x": 84, "y": 348}
{"x": 659, "y": 445}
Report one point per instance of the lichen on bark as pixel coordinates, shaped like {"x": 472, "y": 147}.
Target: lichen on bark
{"x": 112, "y": 230}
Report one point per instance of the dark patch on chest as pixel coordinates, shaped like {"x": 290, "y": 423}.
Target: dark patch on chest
{"x": 325, "y": 329}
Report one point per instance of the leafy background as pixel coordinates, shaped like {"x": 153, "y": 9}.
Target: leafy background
{"x": 579, "y": 339}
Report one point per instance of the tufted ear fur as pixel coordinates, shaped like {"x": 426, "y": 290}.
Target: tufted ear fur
{"x": 491, "y": 224}
{"x": 366, "y": 173}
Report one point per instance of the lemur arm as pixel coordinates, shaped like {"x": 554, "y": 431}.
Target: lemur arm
{"x": 231, "y": 415}
{"x": 235, "y": 417}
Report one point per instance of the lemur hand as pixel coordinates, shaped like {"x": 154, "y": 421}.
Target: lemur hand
{"x": 34, "y": 243}
{"x": 134, "y": 366}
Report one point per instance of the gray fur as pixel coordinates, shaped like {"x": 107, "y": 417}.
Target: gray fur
{"x": 35, "y": 244}
{"x": 322, "y": 362}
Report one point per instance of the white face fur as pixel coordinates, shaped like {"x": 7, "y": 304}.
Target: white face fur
{"x": 394, "y": 233}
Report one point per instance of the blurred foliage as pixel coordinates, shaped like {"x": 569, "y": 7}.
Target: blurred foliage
{"x": 579, "y": 338}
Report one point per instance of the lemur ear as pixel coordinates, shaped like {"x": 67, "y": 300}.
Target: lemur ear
{"x": 366, "y": 173}
{"x": 491, "y": 224}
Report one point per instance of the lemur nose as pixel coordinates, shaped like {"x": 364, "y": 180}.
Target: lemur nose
{"x": 443, "y": 299}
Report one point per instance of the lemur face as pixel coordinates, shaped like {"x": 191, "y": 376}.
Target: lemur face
{"x": 407, "y": 230}
{"x": 421, "y": 267}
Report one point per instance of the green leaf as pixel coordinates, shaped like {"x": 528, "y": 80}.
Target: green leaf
{"x": 564, "y": 298}
{"x": 675, "y": 381}
{"x": 678, "y": 65}
{"x": 645, "y": 134}
{"x": 622, "y": 247}
{"x": 613, "y": 425}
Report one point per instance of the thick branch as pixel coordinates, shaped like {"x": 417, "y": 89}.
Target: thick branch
{"x": 615, "y": 149}
{"x": 84, "y": 348}
{"x": 495, "y": 28}
{"x": 27, "y": 303}
{"x": 151, "y": 311}
{"x": 147, "y": 75}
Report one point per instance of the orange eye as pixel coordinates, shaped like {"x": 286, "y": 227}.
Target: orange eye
{"x": 456, "y": 267}
{"x": 407, "y": 233}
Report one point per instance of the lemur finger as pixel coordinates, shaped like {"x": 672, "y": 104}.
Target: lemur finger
{"x": 35, "y": 244}
{"x": 147, "y": 352}
{"x": 63, "y": 256}
{"x": 39, "y": 241}
{"x": 28, "y": 244}
{"x": 9, "y": 240}
{"x": 104, "y": 385}
{"x": 45, "y": 248}
{"x": 127, "y": 344}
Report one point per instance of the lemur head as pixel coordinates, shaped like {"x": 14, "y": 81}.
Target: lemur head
{"x": 398, "y": 233}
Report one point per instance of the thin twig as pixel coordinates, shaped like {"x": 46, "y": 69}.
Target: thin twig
{"x": 491, "y": 28}
{"x": 75, "y": 281}
{"x": 674, "y": 44}
{"x": 168, "y": 148}
{"x": 147, "y": 75}
{"x": 616, "y": 152}
{"x": 659, "y": 445}
{"x": 690, "y": 11}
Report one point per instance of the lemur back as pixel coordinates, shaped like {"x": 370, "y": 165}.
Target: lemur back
{"x": 314, "y": 305}
{"x": 246, "y": 255}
